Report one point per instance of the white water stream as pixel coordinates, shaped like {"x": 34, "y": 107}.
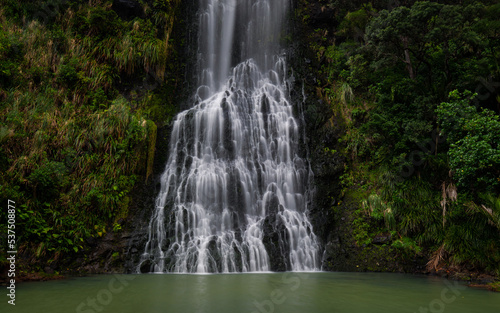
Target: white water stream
{"x": 234, "y": 186}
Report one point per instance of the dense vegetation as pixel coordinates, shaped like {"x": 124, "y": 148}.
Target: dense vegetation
{"x": 82, "y": 91}
{"x": 415, "y": 84}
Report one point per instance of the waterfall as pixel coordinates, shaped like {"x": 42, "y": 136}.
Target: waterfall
{"x": 234, "y": 192}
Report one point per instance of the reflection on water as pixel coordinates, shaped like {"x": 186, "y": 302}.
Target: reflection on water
{"x": 253, "y": 293}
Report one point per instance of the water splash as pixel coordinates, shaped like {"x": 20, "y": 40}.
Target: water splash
{"x": 234, "y": 188}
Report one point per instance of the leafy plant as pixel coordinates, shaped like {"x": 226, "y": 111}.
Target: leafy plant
{"x": 474, "y": 137}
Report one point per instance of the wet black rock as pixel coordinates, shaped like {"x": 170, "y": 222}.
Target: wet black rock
{"x": 381, "y": 239}
{"x": 275, "y": 240}
{"x": 147, "y": 266}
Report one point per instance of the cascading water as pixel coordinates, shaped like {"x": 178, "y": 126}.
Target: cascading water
{"x": 233, "y": 194}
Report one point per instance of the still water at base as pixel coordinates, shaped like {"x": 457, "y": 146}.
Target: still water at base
{"x": 253, "y": 293}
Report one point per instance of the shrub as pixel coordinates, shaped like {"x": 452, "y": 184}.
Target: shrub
{"x": 47, "y": 180}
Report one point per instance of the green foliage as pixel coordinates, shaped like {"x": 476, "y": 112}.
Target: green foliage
{"x": 72, "y": 148}
{"x": 390, "y": 77}
{"x": 48, "y": 179}
{"x": 495, "y": 286}
{"x": 354, "y": 23}
{"x": 380, "y": 210}
{"x": 361, "y": 229}
{"x": 9, "y": 58}
{"x": 336, "y": 58}
{"x": 473, "y": 237}
{"x": 152, "y": 131}
{"x": 68, "y": 74}
{"x": 425, "y": 39}
{"x": 408, "y": 245}
{"x": 417, "y": 209}
{"x": 97, "y": 22}
{"x": 474, "y": 138}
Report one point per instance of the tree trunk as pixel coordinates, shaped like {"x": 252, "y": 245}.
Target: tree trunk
{"x": 407, "y": 60}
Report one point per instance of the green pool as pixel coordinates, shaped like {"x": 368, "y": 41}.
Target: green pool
{"x": 253, "y": 293}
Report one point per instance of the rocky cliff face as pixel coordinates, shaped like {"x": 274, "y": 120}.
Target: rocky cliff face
{"x": 333, "y": 206}
{"x": 119, "y": 251}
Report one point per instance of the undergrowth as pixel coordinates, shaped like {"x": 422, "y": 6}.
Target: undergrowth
{"x": 74, "y": 137}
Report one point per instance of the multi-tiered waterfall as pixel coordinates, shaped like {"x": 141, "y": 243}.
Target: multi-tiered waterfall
{"x": 233, "y": 194}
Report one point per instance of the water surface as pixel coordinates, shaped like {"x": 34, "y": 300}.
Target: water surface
{"x": 263, "y": 292}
